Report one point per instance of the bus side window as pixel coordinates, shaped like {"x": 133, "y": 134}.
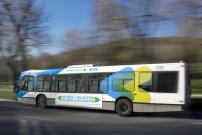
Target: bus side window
{"x": 30, "y": 84}
{"x": 61, "y": 81}
{"x": 165, "y": 82}
{"x": 46, "y": 83}
{"x": 25, "y": 83}
{"x": 94, "y": 82}
{"x": 80, "y": 85}
{"x": 39, "y": 83}
{"x": 54, "y": 87}
{"x": 71, "y": 83}
{"x": 25, "y": 86}
{"x": 121, "y": 79}
{"x": 103, "y": 82}
{"x": 93, "y": 86}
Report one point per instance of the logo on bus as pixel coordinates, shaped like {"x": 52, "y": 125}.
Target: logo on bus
{"x": 93, "y": 69}
{"x": 78, "y": 99}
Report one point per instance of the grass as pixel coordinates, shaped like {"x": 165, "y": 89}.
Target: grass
{"x": 6, "y": 91}
{"x": 196, "y": 91}
{"x": 5, "y": 85}
{"x": 7, "y": 95}
{"x": 196, "y": 85}
{"x": 196, "y": 77}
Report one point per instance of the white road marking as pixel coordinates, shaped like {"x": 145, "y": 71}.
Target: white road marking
{"x": 23, "y": 127}
{"x": 34, "y": 118}
{"x": 196, "y": 123}
{"x": 196, "y": 96}
{"x": 8, "y": 100}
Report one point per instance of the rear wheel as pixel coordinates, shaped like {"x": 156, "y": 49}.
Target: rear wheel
{"x": 124, "y": 107}
{"x": 41, "y": 101}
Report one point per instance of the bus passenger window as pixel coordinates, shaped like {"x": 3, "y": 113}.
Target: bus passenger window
{"x": 25, "y": 83}
{"x": 80, "y": 85}
{"x": 103, "y": 86}
{"x": 54, "y": 87}
{"x": 118, "y": 84}
{"x": 166, "y": 82}
{"x": 46, "y": 85}
{"x": 121, "y": 79}
{"x": 39, "y": 85}
{"x": 30, "y": 85}
{"x": 93, "y": 86}
{"x": 62, "y": 85}
{"x": 71, "y": 85}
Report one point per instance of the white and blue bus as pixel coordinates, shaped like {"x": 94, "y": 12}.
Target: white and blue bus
{"x": 123, "y": 88}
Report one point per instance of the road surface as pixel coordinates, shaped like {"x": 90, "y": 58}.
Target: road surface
{"x": 19, "y": 119}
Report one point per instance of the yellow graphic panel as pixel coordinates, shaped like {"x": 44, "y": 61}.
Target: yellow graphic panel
{"x": 130, "y": 86}
{"x": 141, "y": 95}
{"x": 145, "y": 77}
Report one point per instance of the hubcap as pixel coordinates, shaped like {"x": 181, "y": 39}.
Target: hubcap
{"x": 41, "y": 101}
{"x": 123, "y": 107}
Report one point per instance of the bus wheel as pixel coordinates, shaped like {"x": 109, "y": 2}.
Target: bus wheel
{"x": 41, "y": 101}
{"x": 124, "y": 107}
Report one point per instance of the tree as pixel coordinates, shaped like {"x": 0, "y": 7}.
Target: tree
{"x": 73, "y": 39}
{"x": 110, "y": 19}
{"x": 187, "y": 16}
{"x": 22, "y": 27}
{"x": 135, "y": 19}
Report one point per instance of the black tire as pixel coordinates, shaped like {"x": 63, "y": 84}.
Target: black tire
{"x": 124, "y": 107}
{"x": 41, "y": 101}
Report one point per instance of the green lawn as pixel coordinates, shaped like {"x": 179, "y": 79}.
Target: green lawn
{"x": 6, "y": 91}
{"x": 196, "y": 77}
{"x": 5, "y": 85}
{"x": 7, "y": 95}
{"x": 196, "y": 85}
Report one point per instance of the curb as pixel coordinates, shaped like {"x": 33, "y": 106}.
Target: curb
{"x": 10, "y": 90}
{"x": 7, "y": 100}
{"x": 196, "y": 96}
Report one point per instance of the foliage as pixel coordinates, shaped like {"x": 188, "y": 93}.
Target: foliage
{"x": 21, "y": 28}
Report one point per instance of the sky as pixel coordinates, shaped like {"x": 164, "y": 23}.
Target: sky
{"x": 64, "y": 16}
{"x": 67, "y": 15}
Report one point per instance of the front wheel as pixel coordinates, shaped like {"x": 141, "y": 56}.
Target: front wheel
{"x": 41, "y": 101}
{"x": 124, "y": 107}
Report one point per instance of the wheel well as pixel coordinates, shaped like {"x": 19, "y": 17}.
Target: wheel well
{"x": 123, "y": 98}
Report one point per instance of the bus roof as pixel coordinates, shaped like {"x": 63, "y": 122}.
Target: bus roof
{"x": 41, "y": 72}
{"x": 99, "y": 69}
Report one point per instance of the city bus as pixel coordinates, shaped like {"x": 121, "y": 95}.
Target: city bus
{"x": 122, "y": 88}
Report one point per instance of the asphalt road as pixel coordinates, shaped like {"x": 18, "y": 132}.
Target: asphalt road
{"x": 19, "y": 119}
